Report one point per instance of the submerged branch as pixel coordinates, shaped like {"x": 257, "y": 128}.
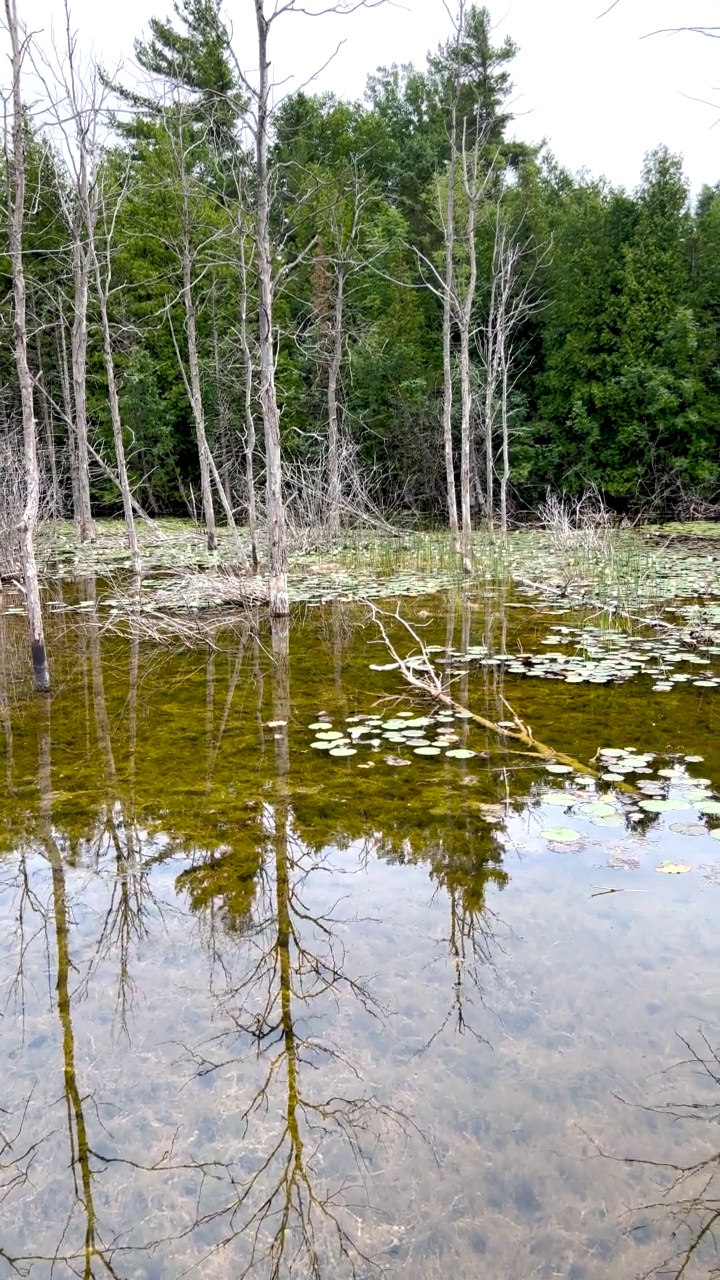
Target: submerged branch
{"x": 419, "y": 673}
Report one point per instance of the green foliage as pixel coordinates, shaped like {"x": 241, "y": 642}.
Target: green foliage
{"x": 617, "y": 376}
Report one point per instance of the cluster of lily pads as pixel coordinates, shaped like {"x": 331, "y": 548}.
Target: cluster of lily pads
{"x": 652, "y": 786}
{"x": 599, "y": 656}
{"x": 422, "y": 735}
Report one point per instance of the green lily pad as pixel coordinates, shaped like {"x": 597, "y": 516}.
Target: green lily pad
{"x": 343, "y": 751}
{"x": 320, "y": 724}
{"x": 331, "y": 736}
{"x": 460, "y": 753}
{"x": 561, "y": 835}
{"x": 427, "y": 751}
{"x": 395, "y": 724}
{"x": 558, "y": 768}
{"x": 322, "y": 746}
{"x": 715, "y": 833}
{"x": 597, "y": 809}
{"x": 708, "y": 806}
{"x": 688, "y": 828}
{"x": 666, "y": 806}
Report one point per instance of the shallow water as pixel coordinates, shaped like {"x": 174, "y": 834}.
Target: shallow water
{"x": 269, "y": 1012}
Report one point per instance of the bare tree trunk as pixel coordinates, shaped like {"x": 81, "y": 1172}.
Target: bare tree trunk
{"x": 208, "y": 469}
{"x": 447, "y": 301}
{"x": 55, "y": 500}
{"x": 277, "y": 534}
{"x": 79, "y": 339}
{"x": 470, "y": 182}
{"x": 222, "y": 414}
{"x": 115, "y": 417}
{"x": 29, "y": 518}
{"x": 195, "y": 387}
{"x": 67, "y": 404}
{"x": 249, "y": 419}
{"x": 505, "y": 474}
{"x": 489, "y": 406}
{"x": 333, "y": 504}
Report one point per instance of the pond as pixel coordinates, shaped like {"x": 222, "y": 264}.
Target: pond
{"x": 431, "y": 1006}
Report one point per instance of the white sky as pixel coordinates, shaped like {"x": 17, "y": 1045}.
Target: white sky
{"x": 599, "y": 93}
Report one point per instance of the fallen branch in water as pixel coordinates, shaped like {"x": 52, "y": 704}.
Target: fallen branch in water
{"x": 420, "y": 673}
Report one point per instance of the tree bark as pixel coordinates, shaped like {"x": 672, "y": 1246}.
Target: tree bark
{"x": 29, "y": 518}
{"x": 277, "y": 533}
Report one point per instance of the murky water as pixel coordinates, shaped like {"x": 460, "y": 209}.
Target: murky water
{"x": 266, "y": 1012}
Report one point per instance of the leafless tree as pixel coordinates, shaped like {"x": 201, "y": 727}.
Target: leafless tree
{"x": 512, "y": 300}
{"x": 78, "y": 108}
{"x": 16, "y": 198}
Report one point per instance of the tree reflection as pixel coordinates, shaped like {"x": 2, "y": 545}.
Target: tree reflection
{"x": 691, "y": 1195}
{"x": 292, "y": 1218}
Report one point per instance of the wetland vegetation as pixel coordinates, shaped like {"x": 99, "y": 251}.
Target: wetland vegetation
{"x": 306, "y": 974}
{"x": 374, "y": 933}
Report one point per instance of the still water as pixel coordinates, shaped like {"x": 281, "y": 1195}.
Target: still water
{"x": 267, "y": 1012}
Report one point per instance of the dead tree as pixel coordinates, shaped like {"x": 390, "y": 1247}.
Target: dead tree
{"x": 181, "y": 148}
{"x": 108, "y": 208}
{"x": 77, "y": 117}
{"x": 28, "y": 522}
{"x": 512, "y": 300}
{"x": 277, "y": 535}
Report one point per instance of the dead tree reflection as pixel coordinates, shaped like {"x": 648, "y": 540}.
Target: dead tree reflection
{"x": 691, "y": 1195}
{"x": 287, "y": 1213}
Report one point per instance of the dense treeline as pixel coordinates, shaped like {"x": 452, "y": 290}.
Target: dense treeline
{"x": 607, "y": 373}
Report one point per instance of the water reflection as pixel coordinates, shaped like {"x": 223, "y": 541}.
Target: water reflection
{"x": 263, "y": 1015}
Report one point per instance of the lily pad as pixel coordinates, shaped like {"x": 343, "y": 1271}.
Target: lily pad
{"x": 688, "y": 828}
{"x": 427, "y": 751}
{"x": 598, "y": 809}
{"x": 343, "y": 751}
{"x": 561, "y": 835}
{"x": 322, "y": 746}
{"x": 460, "y": 753}
{"x": 708, "y": 806}
{"x": 384, "y": 666}
{"x": 666, "y": 806}
{"x": 558, "y": 768}
{"x": 674, "y": 868}
{"x": 715, "y": 833}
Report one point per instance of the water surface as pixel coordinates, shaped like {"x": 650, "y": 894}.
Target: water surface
{"x": 267, "y": 1012}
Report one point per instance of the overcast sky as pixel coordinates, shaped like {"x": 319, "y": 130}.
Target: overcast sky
{"x": 592, "y": 86}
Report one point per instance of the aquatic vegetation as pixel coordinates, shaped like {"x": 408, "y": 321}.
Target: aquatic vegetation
{"x": 271, "y": 956}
